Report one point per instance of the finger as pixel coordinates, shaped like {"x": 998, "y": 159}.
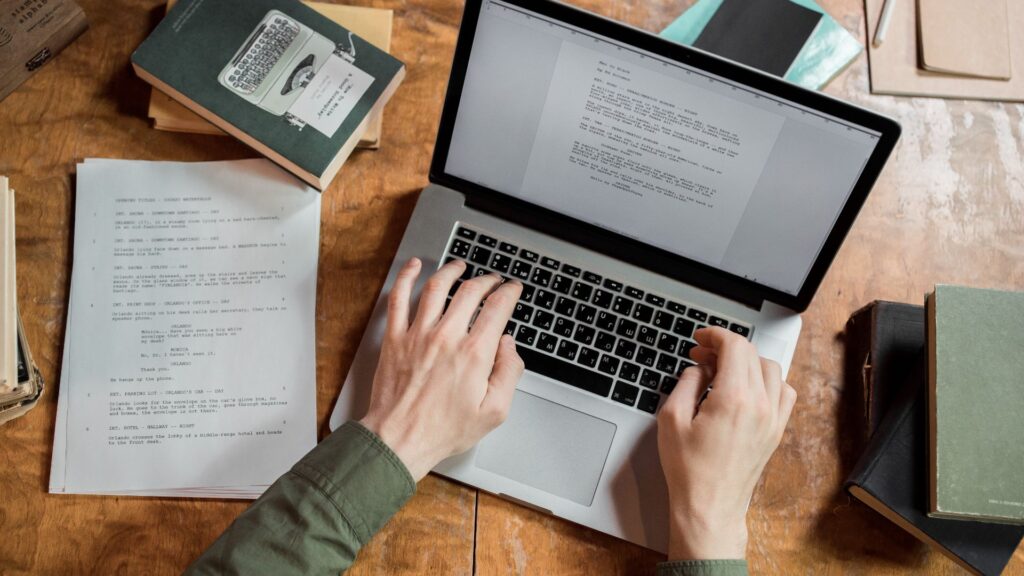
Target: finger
{"x": 490, "y": 322}
{"x": 435, "y": 292}
{"x": 734, "y": 354}
{"x": 508, "y": 369}
{"x": 685, "y": 399}
{"x": 398, "y": 299}
{"x": 703, "y": 355}
{"x": 771, "y": 374}
{"x": 467, "y": 300}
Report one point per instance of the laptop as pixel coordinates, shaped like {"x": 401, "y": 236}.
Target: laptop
{"x": 639, "y": 190}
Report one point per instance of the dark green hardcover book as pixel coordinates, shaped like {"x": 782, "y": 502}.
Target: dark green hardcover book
{"x": 275, "y": 74}
{"x": 976, "y": 404}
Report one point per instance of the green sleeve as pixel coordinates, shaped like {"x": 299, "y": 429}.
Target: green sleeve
{"x": 317, "y": 516}
{"x": 703, "y": 568}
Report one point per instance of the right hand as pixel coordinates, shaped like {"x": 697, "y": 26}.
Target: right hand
{"x": 713, "y": 452}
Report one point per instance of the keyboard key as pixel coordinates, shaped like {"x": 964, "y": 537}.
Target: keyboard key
{"x": 716, "y": 321}
{"x": 460, "y": 249}
{"x": 481, "y": 271}
{"x": 543, "y": 320}
{"x": 526, "y": 336}
{"x": 667, "y": 343}
{"x": 605, "y": 342}
{"x": 667, "y": 363}
{"x": 741, "y": 330}
{"x": 625, "y": 393}
{"x": 581, "y": 291}
{"x": 527, "y": 293}
{"x": 648, "y": 401}
{"x": 697, "y": 315}
{"x": 571, "y": 270}
{"x": 549, "y": 263}
{"x": 547, "y": 342}
{"x": 588, "y": 357}
{"x": 561, "y": 284}
{"x": 480, "y": 256}
{"x": 592, "y": 278}
{"x": 664, "y": 320}
{"x": 625, "y": 349}
{"x": 647, "y": 335}
{"x": 650, "y": 379}
{"x": 622, "y": 306}
{"x": 683, "y": 327}
{"x": 684, "y": 364}
{"x": 468, "y": 272}
{"x": 657, "y": 301}
{"x": 585, "y": 313}
{"x": 508, "y": 248}
{"x": 676, "y": 307}
{"x": 522, "y": 312}
{"x": 544, "y": 299}
{"x": 602, "y": 298}
{"x": 487, "y": 241}
{"x": 521, "y": 270}
{"x": 612, "y": 285}
{"x": 565, "y": 307}
{"x": 528, "y": 256}
{"x": 455, "y": 288}
{"x": 643, "y": 313}
{"x": 501, "y": 263}
{"x": 634, "y": 292}
{"x": 541, "y": 277}
{"x": 567, "y": 349}
{"x": 668, "y": 384}
{"x": 608, "y": 365}
{"x": 565, "y": 372}
{"x": 646, "y": 356}
{"x": 684, "y": 348}
{"x": 629, "y": 372}
{"x": 564, "y": 327}
{"x": 626, "y": 329}
{"x": 606, "y": 321}
{"x": 510, "y": 328}
{"x": 465, "y": 233}
{"x": 584, "y": 334}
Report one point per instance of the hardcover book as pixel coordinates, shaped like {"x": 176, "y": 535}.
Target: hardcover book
{"x": 275, "y": 74}
{"x": 31, "y": 33}
{"x": 976, "y": 404}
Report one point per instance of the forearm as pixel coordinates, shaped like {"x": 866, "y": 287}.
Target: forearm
{"x": 315, "y": 518}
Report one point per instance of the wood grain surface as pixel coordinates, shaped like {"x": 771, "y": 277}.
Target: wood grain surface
{"x": 948, "y": 208}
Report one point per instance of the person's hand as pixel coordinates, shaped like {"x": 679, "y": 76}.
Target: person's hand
{"x": 713, "y": 451}
{"x": 441, "y": 386}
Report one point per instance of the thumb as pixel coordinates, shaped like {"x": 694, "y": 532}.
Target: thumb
{"x": 689, "y": 391}
{"x": 508, "y": 368}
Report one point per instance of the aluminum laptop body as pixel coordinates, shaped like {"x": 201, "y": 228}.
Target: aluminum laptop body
{"x": 640, "y": 165}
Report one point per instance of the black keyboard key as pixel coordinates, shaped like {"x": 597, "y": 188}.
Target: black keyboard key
{"x": 526, "y": 336}
{"x": 622, "y": 306}
{"x": 581, "y": 291}
{"x": 521, "y": 270}
{"x": 741, "y": 330}
{"x": 564, "y": 327}
{"x": 508, "y": 248}
{"x": 565, "y": 306}
{"x": 650, "y": 379}
{"x": 684, "y": 364}
{"x": 676, "y": 307}
{"x": 585, "y": 313}
{"x": 646, "y": 356}
{"x": 455, "y": 288}
{"x": 547, "y": 342}
{"x": 627, "y": 329}
{"x": 684, "y": 348}
{"x": 588, "y": 357}
{"x": 667, "y": 363}
{"x": 565, "y": 372}
{"x": 634, "y": 292}
{"x": 605, "y": 342}
{"x": 625, "y": 393}
{"x": 528, "y": 255}
{"x": 510, "y": 328}
{"x": 648, "y": 401}
{"x": 683, "y": 327}
{"x": 465, "y": 233}
{"x": 571, "y": 270}
{"x": 501, "y": 263}
{"x": 460, "y": 249}
{"x": 602, "y": 298}
{"x": 584, "y": 334}
{"x": 567, "y": 349}
{"x": 629, "y": 372}
{"x": 544, "y": 299}
{"x": 541, "y": 277}
{"x": 480, "y": 256}
{"x": 716, "y": 321}
{"x": 543, "y": 320}
{"x": 667, "y": 342}
{"x": 697, "y": 315}
{"x": 647, "y": 335}
{"x": 643, "y": 313}
{"x": 664, "y": 320}
{"x": 549, "y": 263}
{"x": 481, "y": 271}
{"x": 605, "y": 321}
{"x": 625, "y": 349}
{"x": 527, "y": 294}
{"x": 612, "y": 285}
{"x": 668, "y": 384}
{"x": 561, "y": 284}
{"x": 592, "y": 278}
{"x": 468, "y": 272}
{"x": 609, "y": 364}
{"x": 487, "y": 241}
{"x": 657, "y": 301}
{"x": 522, "y": 312}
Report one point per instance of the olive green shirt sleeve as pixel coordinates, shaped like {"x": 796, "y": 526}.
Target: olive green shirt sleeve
{"x": 703, "y": 568}
{"x": 315, "y": 518}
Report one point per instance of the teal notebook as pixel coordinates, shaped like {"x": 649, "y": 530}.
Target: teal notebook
{"x": 276, "y": 74}
{"x": 826, "y": 52}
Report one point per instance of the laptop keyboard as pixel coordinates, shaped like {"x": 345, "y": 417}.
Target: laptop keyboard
{"x": 598, "y": 334}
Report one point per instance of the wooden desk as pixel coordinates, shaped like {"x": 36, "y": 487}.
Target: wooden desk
{"x": 949, "y": 207}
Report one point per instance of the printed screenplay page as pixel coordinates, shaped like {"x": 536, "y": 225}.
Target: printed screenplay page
{"x": 190, "y": 348}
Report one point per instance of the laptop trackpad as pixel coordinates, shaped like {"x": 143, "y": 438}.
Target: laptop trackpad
{"x": 549, "y": 447}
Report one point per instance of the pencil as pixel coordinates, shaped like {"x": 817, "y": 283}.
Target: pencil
{"x": 883, "y": 23}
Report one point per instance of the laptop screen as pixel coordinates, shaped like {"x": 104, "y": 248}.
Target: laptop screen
{"x": 652, "y": 149}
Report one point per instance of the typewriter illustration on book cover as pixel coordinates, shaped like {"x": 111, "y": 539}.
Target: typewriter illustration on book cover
{"x": 277, "y": 61}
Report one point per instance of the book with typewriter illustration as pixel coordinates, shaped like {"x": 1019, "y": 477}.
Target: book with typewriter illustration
{"x": 275, "y": 74}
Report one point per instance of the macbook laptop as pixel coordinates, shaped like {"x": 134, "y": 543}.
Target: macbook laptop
{"x": 639, "y": 190}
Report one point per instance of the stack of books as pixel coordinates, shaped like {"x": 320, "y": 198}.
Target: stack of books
{"x": 20, "y": 382}
{"x": 943, "y": 398}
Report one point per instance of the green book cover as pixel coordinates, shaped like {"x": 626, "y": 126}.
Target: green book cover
{"x": 976, "y": 404}
{"x": 274, "y": 73}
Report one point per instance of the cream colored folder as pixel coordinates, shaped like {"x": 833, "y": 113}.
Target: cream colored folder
{"x": 965, "y": 37}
